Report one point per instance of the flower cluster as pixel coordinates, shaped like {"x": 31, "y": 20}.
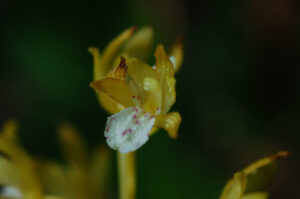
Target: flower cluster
{"x": 22, "y": 176}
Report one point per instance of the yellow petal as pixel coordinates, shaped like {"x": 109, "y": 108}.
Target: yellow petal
{"x": 256, "y": 174}
{"x": 98, "y": 74}
{"x": 52, "y": 197}
{"x": 17, "y": 169}
{"x": 165, "y": 70}
{"x": 170, "y": 123}
{"x": 153, "y": 99}
{"x": 54, "y": 179}
{"x": 68, "y": 182}
{"x": 112, "y": 50}
{"x": 138, "y": 71}
{"x": 74, "y": 148}
{"x": 9, "y": 175}
{"x": 256, "y": 195}
{"x": 177, "y": 53}
{"x": 146, "y": 82}
{"x": 252, "y": 168}
{"x": 9, "y": 130}
{"x": 116, "y": 89}
{"x": 261, "y": 172}
{"x": 109, "y": 104}
{"x": 139, "y": 45}
{"x": 235, "y": 188}
{"x": 100, "y": 170}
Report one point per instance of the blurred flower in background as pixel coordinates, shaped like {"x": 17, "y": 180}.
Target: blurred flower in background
{"x": 249, "y": 183}
{"x": 85, "y": 175}
{"x": 18, "y": 178}
{"x": 82, "y": 176}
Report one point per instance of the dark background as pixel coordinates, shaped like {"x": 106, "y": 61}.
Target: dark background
{"x": 238, "y": 90}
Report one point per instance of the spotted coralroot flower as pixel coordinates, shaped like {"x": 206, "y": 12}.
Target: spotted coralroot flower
{"x": 248, "y": 183}
{"x": 18, "y": 177}
{"x": 84, "y": 173}
{"x": 140, "y": 96}
{"x": 82, "y": 177}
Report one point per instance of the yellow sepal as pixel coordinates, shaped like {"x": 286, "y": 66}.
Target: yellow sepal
{"x": 9, "y": 131}
{"x": 74, "y": 148}
{"x": 17, "y": 168}
{"x": 170, "y": 122}
{"x": 53, "y": 197}
{"x": 256, "y": 175}
{"x": 252, "y": 168}
{"x": 261, "y": 172}
{"x": 109, "y": 104}
{"x": 103, "y": 64}
{"x": 98, "y": 74}
{"x": 256, "y": 195}
{"x": 177, "y": 53}
{"x": 112, "y": 50}
{"x": 165, "y": 70}
{"x": 235, "y": 188}
{"x": 140, "y": 44}
{"x": 116, "y": 89}
{"x": 146, "y": 82}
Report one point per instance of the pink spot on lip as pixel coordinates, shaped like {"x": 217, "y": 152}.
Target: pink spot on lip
{"x": 134, "y": 116}
{"x": 136, "y": 109}
{"x": 137, "y": 122}
{"x": 126, "y": 131}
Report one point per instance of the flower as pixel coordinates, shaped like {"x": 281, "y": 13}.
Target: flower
{"x": 126, "y": 44}
{"x": 247, "y": 184}
{"x": 139, "y": 96}
{"x": 21, "y": 176}
{"x": 17, "y": 176}
{"x": 83, "y": 176}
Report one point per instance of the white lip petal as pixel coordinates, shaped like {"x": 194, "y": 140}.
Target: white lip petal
{"x": 129, "y": 129}
{"x": 10, "y": 192}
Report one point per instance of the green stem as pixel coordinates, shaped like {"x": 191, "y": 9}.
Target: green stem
{"x": 127, "y": 175}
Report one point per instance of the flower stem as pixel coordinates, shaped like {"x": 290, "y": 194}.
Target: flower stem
{"x": 127, "y": 175}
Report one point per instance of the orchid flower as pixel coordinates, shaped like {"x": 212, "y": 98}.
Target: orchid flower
{"x": 138, "y": 95}
{"x": 247, "y": 184}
